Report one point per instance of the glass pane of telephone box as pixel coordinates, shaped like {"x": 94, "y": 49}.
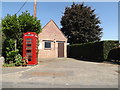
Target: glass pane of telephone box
{"x": 29, "y": 58}
{"x": 28, "y": 39}
{"x": 28, "y": 50}
{"x": 28, "y": 44}
{"x": 29, "y": 35}
{"x": 28, "y": 47}
{"x": 28, "y": 53}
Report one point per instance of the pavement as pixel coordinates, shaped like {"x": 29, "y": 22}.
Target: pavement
{"x": 61, "y": 73}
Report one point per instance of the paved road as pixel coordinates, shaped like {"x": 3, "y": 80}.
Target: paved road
{"x": 62, "y": 72}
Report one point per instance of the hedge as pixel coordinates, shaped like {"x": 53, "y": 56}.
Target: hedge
{"x": 114, "y": 54}
{"x": 108, "y": 46}
{"x": 95, "y": 51}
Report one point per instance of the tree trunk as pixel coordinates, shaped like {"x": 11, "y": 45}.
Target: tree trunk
{"x": 15, "y": 44}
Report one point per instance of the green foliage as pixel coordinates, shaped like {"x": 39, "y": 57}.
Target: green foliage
{"x": 10, "y": 26}
{"x": 14, "y": 26}
{"x": 19, "y": 45}
{"x": 18, "y": 60}
{"x": 109, "y": 45}
{"x": 80, "y": 24}
{"x": 114, "y": 54}
{"x": 8, "y": 46}
{"x": 24, "y": 61}
{"x": 93, "y": 51}
{"x": 11, "y": 56}
{"x": 28, "y": 24}
{"x": 9, "y": 65}
{"x": 0, "y": 40}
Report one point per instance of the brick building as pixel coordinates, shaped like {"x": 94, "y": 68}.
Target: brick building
{"x": 52, "y": 42}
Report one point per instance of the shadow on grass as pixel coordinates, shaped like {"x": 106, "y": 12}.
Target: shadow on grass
{"x": 117, "y": 62}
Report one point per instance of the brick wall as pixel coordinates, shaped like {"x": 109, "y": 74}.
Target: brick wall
{"x": 51, "y": 32}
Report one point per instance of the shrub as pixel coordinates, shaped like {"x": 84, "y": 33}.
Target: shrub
{"x": 94, "y": 51}
{"x": 90, "y": 50}
{"x": 13, "y": 27}
{"x": 8, "y": 51}
{"x": 9, "y": 65}
{"x": 114, "y": 54}
{"x": 24, "y": 61}
{"x": 18, "y": 60}
{"x": 11, "y": 56}
{"x": 107, "y": 46}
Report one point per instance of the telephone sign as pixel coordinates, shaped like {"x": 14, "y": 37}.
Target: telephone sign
{"x": 30, "y": 47}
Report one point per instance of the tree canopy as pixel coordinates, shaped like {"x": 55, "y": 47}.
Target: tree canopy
{"x": 80, "y": 24}
{"x": 14, "y": 26}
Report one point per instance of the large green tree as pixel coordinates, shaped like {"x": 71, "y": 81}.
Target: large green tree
{"x": 80, "y": 24}
{"x": 14, "y": 26}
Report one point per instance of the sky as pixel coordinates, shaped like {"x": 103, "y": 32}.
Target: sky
{"x": 106, "y": 11}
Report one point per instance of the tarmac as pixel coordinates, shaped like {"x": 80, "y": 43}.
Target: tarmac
{"x": 61, "y": 73}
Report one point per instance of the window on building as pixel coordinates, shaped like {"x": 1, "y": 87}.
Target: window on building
{"x": 47, "y": 44}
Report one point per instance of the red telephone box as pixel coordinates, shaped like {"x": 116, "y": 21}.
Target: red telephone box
{"x": 30, "y": 47}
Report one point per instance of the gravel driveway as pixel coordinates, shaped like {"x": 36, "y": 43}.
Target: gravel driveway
{"x": 62, "y": 72}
